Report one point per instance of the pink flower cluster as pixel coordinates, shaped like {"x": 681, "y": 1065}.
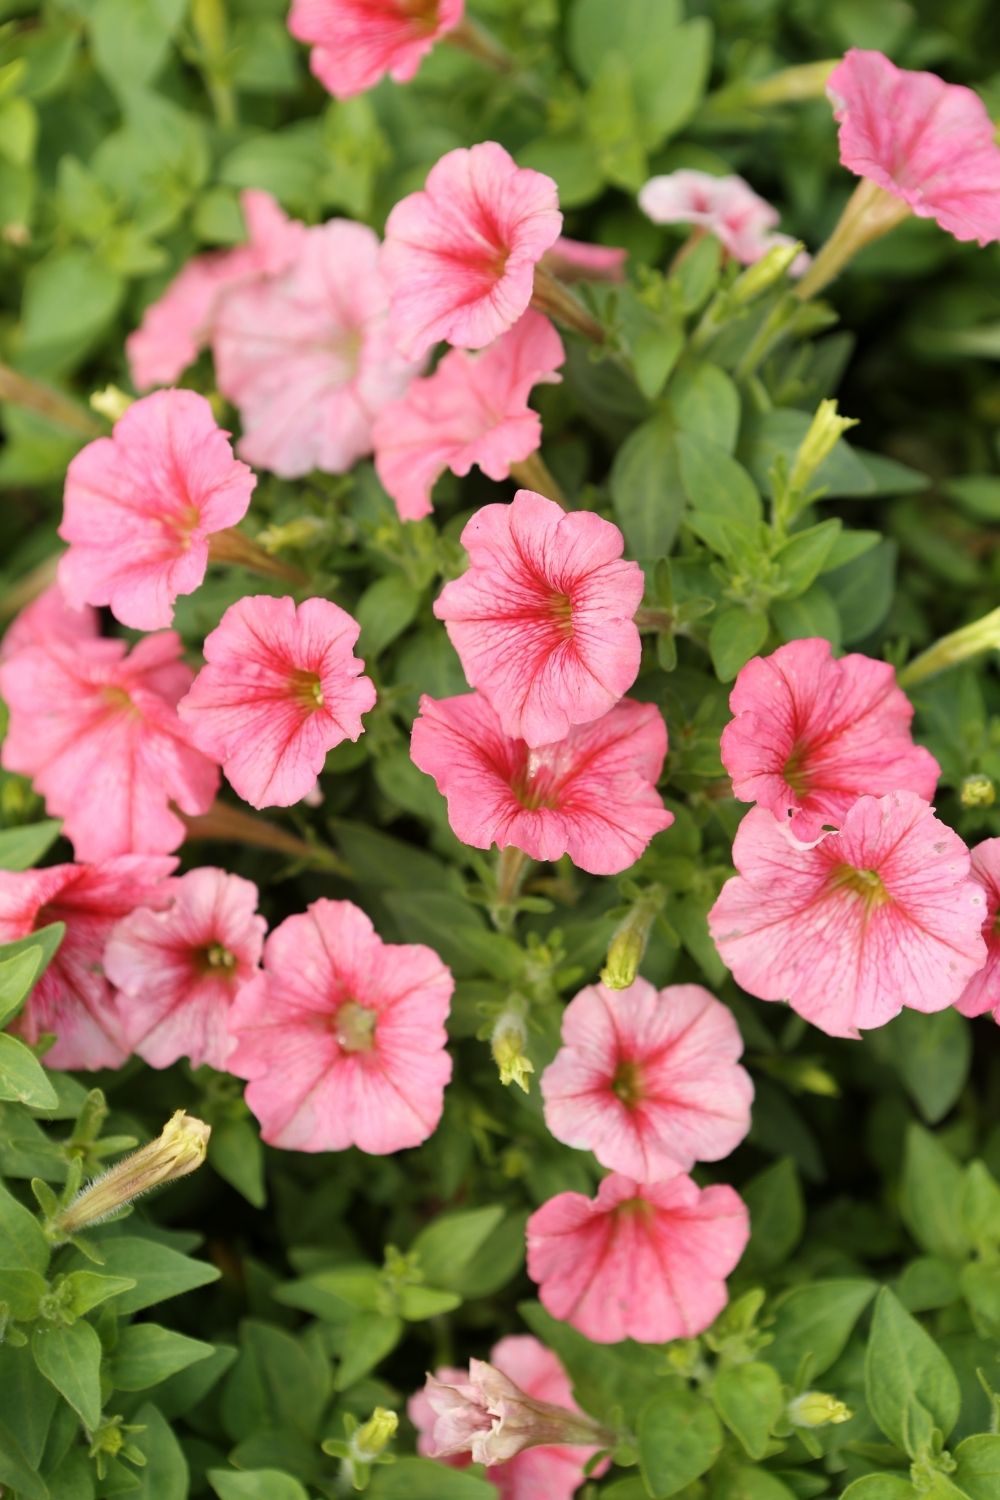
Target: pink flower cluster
{"x": 852, "y": 899}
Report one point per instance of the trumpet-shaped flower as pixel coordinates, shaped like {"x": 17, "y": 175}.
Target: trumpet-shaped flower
{"x": 647, "y": 1262}
{"x": 459, "y": 256}
{"x": 342, "y": 1036}
{"x": 982, "y": 993}
{"x": 929, "y": 143}
{"x": 355, "y": 43}
{"x": 306, "y": 356}
{"x": 853, "y": 927}
{"x": 96, "y": 727}
{"x": 812, "y": 734}
{"x": 49, "y": 617}
{"x": 543, "y": 618}
{"x": 73, "y": 998}
{"x": 650, "y": 1082}
{"x": 591, "y": 795}
{"x": 472, "y": 410}
{"x": 281, "y": 686}
{"x": 178, "y": 969}
{"x": 140, "y": 506}
{"x": 726, "y": 207}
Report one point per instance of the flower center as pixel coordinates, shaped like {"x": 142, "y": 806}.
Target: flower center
{"x": 535, "y": 785}
{"x": 626, "y": 1083}
{"x": 182, "y": 523}
{"x": 794, "y": 773}
{"x": 864, "y": 883}
{"x": 561, "y": 612}
{"x": 639, "y": 1208}
{"x": 306, "y": 688}
{"x": 119, "y": 700}
{"x": 423, "y": 12}
{"x": 354, "y": 1027}
{"x": 217, "y": 961}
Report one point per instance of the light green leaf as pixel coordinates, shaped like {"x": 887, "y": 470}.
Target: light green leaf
{"x": 933, "y": 1054}
{"x": 704, "y": 402}
{"x": 130, "y": 42}
{"x": 679, "y": 1439}
{"x": 146, "y": 1354}
{"x": 646, "y": 490}
{"x": 363, "y": 1343}
{"x": 88, "y": 1289}
{"x": 423, "y": 1479}
{"x": 20, "y": 848}
{"x": 166, "y": 1475}
{"x": 816, "y": 1320}
{"x": 777, "y": 1216}
{"x": 15, "y": 981}
{"x": 158, "y": 1271}
{"x": 70, "y": 1358}
{"x": 22, "y": 1076}
{"x": 21, "y": 1291}
{"x": 446, "y": 1247}
{"x": 978, "y": 1472}
{"x": 258, "y": 1484}
{"x": 22, "y": 1242}
{"x": 749, "y": 1399}
{"x": 862, "y": 590}
{"x": 236, "y": 1153}
{"x": 737, "y": 633}
{"x": 880, "y": 1487}
{"x": 932, "y": 1191}
{"x": 910, "y": 1387}
{"x": 384, "y": 610}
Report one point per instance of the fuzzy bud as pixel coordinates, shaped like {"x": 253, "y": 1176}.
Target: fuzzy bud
{"x": 179, "y": 1149}
{"x": 825, "y": 431}
{"x": 507, "y": 1045}
{"x": 817, "y": 1409}
{"x": 977, "y": 791}
{"x": 374, "y": 1436}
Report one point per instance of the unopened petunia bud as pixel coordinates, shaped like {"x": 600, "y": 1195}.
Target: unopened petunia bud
{"x": 790, "y": 85}
{"x": 825, "y": 430}
{"x": 817, "y": 1409}
{"x": 952, "y": 649}
{"x": 766, "y": 272}
{"x": 179, "y": 1149}
{"x": 510, "y": 1035}
{"x": 628, "y": 944}
{"x": 493, "y": 1419}
{"x": 374, "y": 1436}
{"x": 977, "y": 791}
{"x": 111, "y": 402}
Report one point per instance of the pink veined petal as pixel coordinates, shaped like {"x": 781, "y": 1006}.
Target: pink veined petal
{"x": 726, "y": 207}
{"x": 358, "y": 42}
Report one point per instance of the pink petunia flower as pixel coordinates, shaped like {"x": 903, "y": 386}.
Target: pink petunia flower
{"x": 648, "y": 1081}
{"x": 178, "y": 325}
{"x": 73, "y": 998}
{"x": 459, "y": 256}
{"x": 342, "y": 1036}
{"x": 49, "y": 617}
{"x": 178, "y": 970}
{"x": 358, "y": 42}
{"x": 472, "y": 410}
{"x": 140, "y": 506}
{"x": 97, "y": 730}
{"x": 646, "y": 1262}
{"x": 575, "y": 260}
{"x": 812, "y": 734}
{"x": 307, "y": 357}
{"x": 982, "y": 993}
{"x": 592, "y": 795}
{"x": 726, "y": 207}
{"x": 281, "y": 686}
{"x": 928, "y": 143}
{"x": 853, "y": 927}
{"x": 543, "y": 618}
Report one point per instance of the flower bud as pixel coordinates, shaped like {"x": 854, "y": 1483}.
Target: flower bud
{"x": 179, "y": 1149}
{"x": 817, "y": 1409}
{"x": 765, "y": 273}
{"x": 111, "y": 402}
{"x": 790, "y": 85}
{"x": 977, "y": 791}
{"x": 628, "y": 943}
{"x": 493, "y": 1419}
{"x": 507, "y": 1045}
{"x": 825, "y": 430}
{"x": 374, "y": 1437}
{"x": 951, "y": 650}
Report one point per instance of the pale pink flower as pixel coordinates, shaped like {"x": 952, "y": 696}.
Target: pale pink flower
{"x": 726, "y": 207}
{"x": 802, "y": 261}
{"x": 929, "y": 143}
{"x": 812, "y": 734}
{"x": 306, "y": 357}
{"x": 472, "y": 410}
{"x": 982, "y": 993}
{"x": 459, "y": 256}
{"x": 591, "y": 795}
{"x": 422, "y": 1415}
{"x": 49, "y": 617}
{"x": 342, "y": 1036}
{"x": 357, "y": 42}
{"x": 281, "y": 686}
{"x": 73, "y": 998}
{"x": 648, "y": 1081}
{"x": 178, "y": 969}
{"x": 575, "y": 260}
{"x": 543, "y": 618}
{"x": 853, "y": 927}
{"x": 97, "y": 730}
{"x": 140, "y": 506}
{"x": 178, "y": 325}
{"x": 646, "y": 1262}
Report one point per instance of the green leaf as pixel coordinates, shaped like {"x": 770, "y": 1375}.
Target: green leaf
{"x": 423, "y": 1479}
{"x": 679, "y": 1439}
{"x": 933, "y": 1054}
{"x": 704, "y": 402}
{"x": 158, "y": 1271}
{"x": 736, "y": 634}
{"x": 88, "y": 1289}
{"x": 236, "y": 1153}
{"x": 646, "y": 491}
{"x": 70, "y": 297}
{"x": 70, "y": 1359}
{"x": 804, "y": 556}
{"x": 15, "y": 1470}
{"x": 17, "y": 975}
{"x": 725, "y": 508}
{"x": 862, "y": 591}
{"x": 455, "y": 930}
{"x": 22, "y": 1242}
{"x": 166, "y": 1475}
{"x": 910, "y": 1387}
{"x": 749, "y": 1399}
{"x": 777, "y": 1216}
{"x": 384, "y": 610}
{"x": 981, "y": 1207}
{"x": 146, "y": 1354}
{"x": 21, "y": 1291}
{"x": 446, "y": 1247}
{"x": 931, "y": 1196}
{"x": 815, "y": 1321}
{"x": 749, "y": 1484}
{"x": 978, "y": 1472}
{"x": 259, "y": 1484}
{"x": 20, "y": 848}
{"x": 363, "y": 1343}
{"x": 27, "y": 1407}
{"x": 22, "y": 1076}
{"x": 277, "y": 1381}
{"x": 980, "y": 1283}
{"x": 419, "y": 1302}
{"x": 880, "y": 1487}
{"x": 130, "y": 43}
{"x": 977, "y": 494}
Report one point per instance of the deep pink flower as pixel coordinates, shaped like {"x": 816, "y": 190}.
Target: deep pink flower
{"x": 140, "y": 506}
{"x": 982, "y": 993}
{"x": 178, "y": 969}
{"x": 460, "y": 256}
{"x": 927, "y": 142}
{"x": 812, "y": 734}
{"x": 179, "y": 323}
{"x": 49, "y": 617}
{"x": 575, "y": 260}
{"x": 97, "y": 730}
{"x": 73, "y": 998}
{"x": 357, "y": 42}
{"x": 281, "y": 686}
{"x": 592, "y": 795}
{"x": 472, "y": 410}
{"x": 342, "y": 1036}
{"x": 306, "y": 356}
{"x": 543, "y": 618}
{"x": 643, "y": 1262}
{"x": 852, "y": 928}
{"x": 648, "y": 1081}
{"x": 726, "y": 207}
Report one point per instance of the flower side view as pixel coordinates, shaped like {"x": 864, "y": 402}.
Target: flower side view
{"x": 982, "y": 993}
{"x": 472, "y": 410}
{"x": 49, "y": 617}
{"x": 650, "y": 1082}
{"x": 140, "y": 506}
{"x": 646, "y": 1262}
{"x": 281, "y": 686}
{"x": 543, "y": 619}
{"x": 96, "y": 728}
{"x": 355, "y": 43}
{"x": 73, "y": 999}
{"x": 460, "y": 255}
{"x": 342, "y": 1036}
{"x": 812, "y": 734}
{"x": 591, "y": 795}
{"x": 859, "y": 924}
{"x": 726, "y": 207}
{"x": 178, "y": 968}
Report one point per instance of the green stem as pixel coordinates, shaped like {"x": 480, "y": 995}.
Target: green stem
{"x": 21, "y": 390}
{"x": 231, "y": 825}
{"x": 533, "y": 473}
{"x": 554, "y": 299}
{"x": 869, "y": 213}
{"x": 235, "y": 547}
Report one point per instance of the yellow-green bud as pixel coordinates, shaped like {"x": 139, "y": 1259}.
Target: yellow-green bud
{"x": 507, "y": 1045}
{"x": 977, "y": 791}
{"x": 765, "y": 273}
{"x": 298, "y": 533}
{"x": 825, "y": 431}
{"x": 628, "y": 943}
{"x": 111, "y": 402}
{"x": 817, "y": 1409}
{"x": 375, "y": 1436}
{"x": 179, "y": 1149}
{"x": 806, "y": 81}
